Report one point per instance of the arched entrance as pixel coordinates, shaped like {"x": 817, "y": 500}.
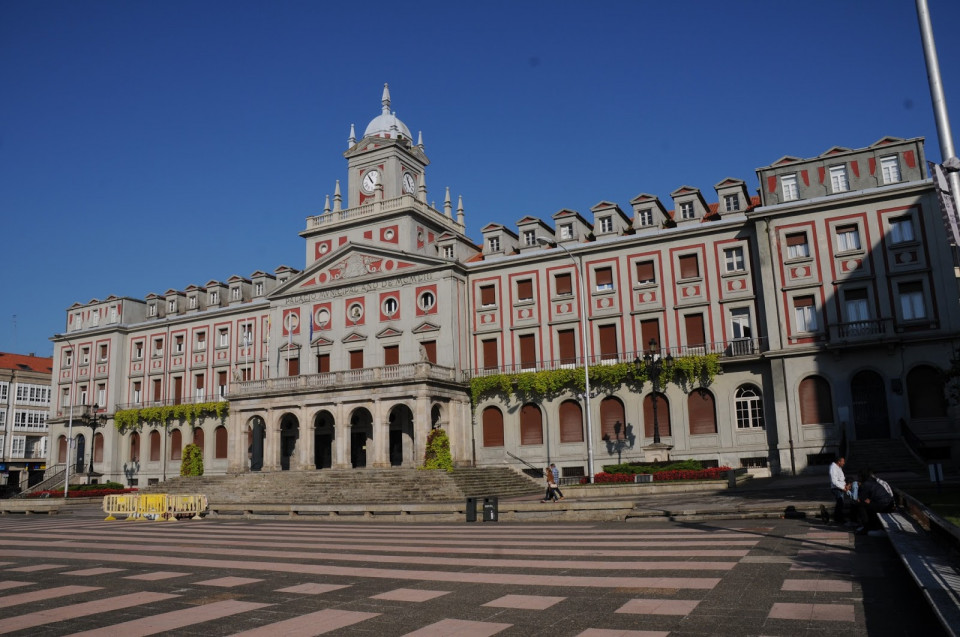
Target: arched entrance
{"x": 401, "y": 436}
{"x": 256, "y": 432}
{"x": 361, "y": 433}
{"x": 324, "y": 433}
{"x": 869, "y": 406}
{"x": 289, "y": 433}
{"x": 81, "y": 451}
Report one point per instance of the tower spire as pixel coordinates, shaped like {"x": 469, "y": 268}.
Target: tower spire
{"x": 353, "y": 137}
{"x": 337, "y": 199}
{"x": 460, "y": 210}
{"x": 385, "y": 100}
{"x": 447, "y": 208}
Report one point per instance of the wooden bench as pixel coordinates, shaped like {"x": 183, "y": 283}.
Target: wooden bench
{"x": 931, "y": 566}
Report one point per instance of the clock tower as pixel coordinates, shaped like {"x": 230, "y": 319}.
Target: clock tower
{"x": 384, "y": 163}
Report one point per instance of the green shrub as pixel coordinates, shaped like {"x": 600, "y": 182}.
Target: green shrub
{"x": 192, "y": 462}
{"x": 437, "y": 455}
{"x": 635, "y": 467}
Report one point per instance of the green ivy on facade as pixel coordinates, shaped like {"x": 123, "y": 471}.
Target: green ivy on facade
{"x": 133, "y": 418}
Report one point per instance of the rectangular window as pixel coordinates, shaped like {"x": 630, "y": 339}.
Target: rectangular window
{"x": 68, "y": 358}
{"x": 838, "y": 179}
{"x": 528, "y": 351}
{"x": 293, "y": 367}
{"x": 567, "y": 344}
{"x": 323, "y": 363}
{"x": 689, "y": 266}
{"x": 158, "y": 347}
{"x": 848, "y": 238}
{"x": 805, "y": 314}
{"x": 645, "y": 217}
{"x": 890, "y": 169}
{"x": 693, "y": 326}
{"x": 137, "y": 393}
{"x": 221, "y": 385}
{"x": 391, "y": 355}
{"x": 101, "y": 394}
{"x": 157, "y": 390}
{"x": 731, "y": 202}
{"x": 493, "y": 244}
{"x": 192, "y": 302}
{"x": 686, "y": 210}
{"x": 152, "y": 309}
{"x": 604, "y": 279}
{"x": 235, "y": 293}
{"x": 84, "y": 355}
{"x": 646, "y": 274}
{"x": 447, "y": 252}
{"x": 525, "y": 290}
{"x": 199, "y": 388}
{"x": 223, "y": 337}
{"x": 529, "y": 238}
{"x": 566, "y": 231}
{"x": 740, "y": 323}
{"x": 606, "y": 224}
{"x": 201, "y": 341}
{"x": 258, "y": 289}
{"x": 172, "y": 306}
{"x": 214, "y": 298}
{"x": 490, "y": 355}
{"x": 430, "y": 350}
{"x": 609, "y": 349}
{"x": 797, "y": 246}
{"x": 911, "y": 301}
{"x": 733, "y": 259}
{"x": 178, "y": 344}
{"x": 649, "y": 331}
{"x": 356, "y": 359}
{"x": 488, "y": 295}
{"x": 788, "y": 186}
{"x": 563, "y": 283}
{"x": 856, "y": 305}
{"x": 901, "y": 230}
{"x": 103, "y": 351}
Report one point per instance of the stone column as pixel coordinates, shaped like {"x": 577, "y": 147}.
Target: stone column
{"x": 341, "y": 438}
{"x": 236, "y": 443}
{"x": 271, "y": 444}
{"x": 421, "y": 428}
{"x": 381, "y": 437}
{"x": 305, "y": 443}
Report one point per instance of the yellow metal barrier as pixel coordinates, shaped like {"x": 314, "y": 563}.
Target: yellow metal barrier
{"x": 154, "y": 506}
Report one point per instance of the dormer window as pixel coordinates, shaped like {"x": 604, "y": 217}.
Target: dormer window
{"x": 258, "y": 289}
{"x": 447, "y": 252}
{"x": 529, "y": 238}
{"x": 235, "y": 293}
{"x": 113, "y": 314}
{"x": 172, "y": 306}
{"x": 95, "y": 318}
{"x": 731, "y": 203}
{"x": 606, "y": 224}
{"x": 566, "y": 231}
{"x": 192, "y": 303}
{"x": 645, "y": 217}
{"x": 493, "y": 244}
{"x": 214, "y": 298}
{"x": 686, "y": 210}
{"x": 890, "y": 169}
{"x": 838, "y": 179}
{"x": 788, "y": 186}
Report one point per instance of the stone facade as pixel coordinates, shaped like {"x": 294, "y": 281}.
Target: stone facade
{"x": 830, "y": 302}
{"x": 24, "y": 409}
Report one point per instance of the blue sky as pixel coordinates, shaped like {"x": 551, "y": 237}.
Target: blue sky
{"x": 153, "y": 145}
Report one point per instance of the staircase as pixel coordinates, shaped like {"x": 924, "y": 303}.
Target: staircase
{"x": 354, "y": 486}
{"x": 883, "y": 456}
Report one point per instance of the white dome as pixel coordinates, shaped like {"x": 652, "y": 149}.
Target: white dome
{"x": 387, "y": 124}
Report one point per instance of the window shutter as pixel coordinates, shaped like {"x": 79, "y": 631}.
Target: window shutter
{"x": 663, "y": 415}
{"x": 323, "y": 363}
{"x": 703, "y": 418}
{"x": 566, "y": 339}
{"x": 490, "y": 359}
{"x": 694, "y": 328}
{"x": 608, "y": 342}
{"x": 797, "y": 239}
{"x": 220, "y": 442}
{"x": 815, "y": 401}
{"x": 430, "y": 347}
{"x": 356, "y": 359}
{"x": 564, "y": 284}
{"x": 531, "y": 427}
{"x": 571, "y": 422}
{"x": 525, "y": 290}
{"x": 391, "y": 355}
{"x": 645, "y": 272}
{"x": 528, "y": 351}
{"x": 604, "y": 276}
{"x": 492, "y": 427}
{"x": 488, "y": 295}
{"x": 611, "y": 412}
{"x": 689, "y": 267}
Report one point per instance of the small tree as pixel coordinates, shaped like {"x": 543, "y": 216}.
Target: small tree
{"x": 192, "y": 462}
{"x": 437, "y": 455}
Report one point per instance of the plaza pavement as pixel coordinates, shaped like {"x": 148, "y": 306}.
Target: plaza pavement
{"x": 75, "y": 574}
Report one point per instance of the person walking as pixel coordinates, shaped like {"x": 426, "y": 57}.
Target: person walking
{"x": 556, "y": 479}
{"x": 551, "y": 486}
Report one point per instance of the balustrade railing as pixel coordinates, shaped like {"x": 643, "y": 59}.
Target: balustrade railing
{"x": 378, "y": 208}
{"x": 348, "y": 378}
{"x": 860, "y": 329}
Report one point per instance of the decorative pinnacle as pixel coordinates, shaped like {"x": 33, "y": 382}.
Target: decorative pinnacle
{"x": 385, "y": 100}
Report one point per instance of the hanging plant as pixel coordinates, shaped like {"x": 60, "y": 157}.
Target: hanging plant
{"x": 132, "y": 418}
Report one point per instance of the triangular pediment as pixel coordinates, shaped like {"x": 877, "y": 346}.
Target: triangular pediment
{"x": 786, "y": 159}
{"x": 290, "y": 347}
{"x": 320, "y": 341}
{"x": 388, "y": 332}
{"x": 684, "y": 190}
{"x": 355, "y": 263}
{"x": 426, "y": 327}
{"x": 354, "y": 337}
{"x": 884, "y": 141}
{"x": 836, "y": 150}
{"x": 235, "y": 278}
{"x": 729, "y": 181}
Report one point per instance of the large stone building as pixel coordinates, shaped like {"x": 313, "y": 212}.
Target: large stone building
{"x": 24, "y": 407}
{"x": 829, "y": 302}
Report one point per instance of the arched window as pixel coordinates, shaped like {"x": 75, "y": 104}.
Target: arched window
{"x": 176, "y": 444}
{"x": 663, "y": 415}
{"x": 198, "y": 437}
{"x": 571, "y": 422}
{"x": 220, "y": 441}
{"x": 816, "y": 401}
{"x": 531, "y": 425}
{"x": 135, "y": 447}
{"x": 611, "y": 413}
{"x": 925, "y": 385}
{"x": 98, "y": 448}
{"x": 492, "y": 427}
{"x": 703, "y": 412}
{"x": 749, "y": 406}
{"x": 62, "y": 449}
{"x": 154, "y": 446}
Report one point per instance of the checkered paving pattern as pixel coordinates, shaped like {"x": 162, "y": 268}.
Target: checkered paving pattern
{"x": 66, "y": 576}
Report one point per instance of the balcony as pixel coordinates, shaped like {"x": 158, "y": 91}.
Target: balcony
{"x": 859, "y": 330}
{"x": 347, "y": 379}
{"x": 167, "y": 402}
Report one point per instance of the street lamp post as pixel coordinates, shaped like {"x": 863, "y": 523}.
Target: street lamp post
{"x": 584, "y": 343}
{"x": 654, "y": 364}
{"x": 94, "y": 421}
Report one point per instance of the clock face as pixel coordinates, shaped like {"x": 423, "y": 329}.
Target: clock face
{"x": 409, "y": 185}
{"x": 370, "y": 180}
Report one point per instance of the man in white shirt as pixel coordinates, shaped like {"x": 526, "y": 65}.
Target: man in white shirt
{"x": 838, "y": 487}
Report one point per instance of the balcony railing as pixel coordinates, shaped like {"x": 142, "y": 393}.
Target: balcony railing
{"x": 377, "y": 208}
{"x": 166, "y": 402}
{"x": 860, "y": 330}
{"x": 347, "y": 378}
{"x": 726, "y": 349}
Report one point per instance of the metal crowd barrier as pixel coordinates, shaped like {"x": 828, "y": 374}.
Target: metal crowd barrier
{"x": 154, "y": 506}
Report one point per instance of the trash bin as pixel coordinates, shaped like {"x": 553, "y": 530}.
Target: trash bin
{"x": 471, "y": 509}
{"x": 490, "y": 509}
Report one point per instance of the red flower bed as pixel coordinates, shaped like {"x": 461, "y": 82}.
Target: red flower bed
{"x": 715, "y": 473}
{"x": 79, "y": 493}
